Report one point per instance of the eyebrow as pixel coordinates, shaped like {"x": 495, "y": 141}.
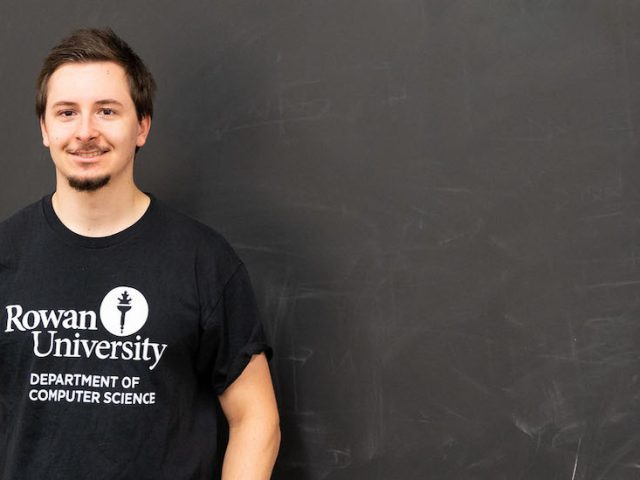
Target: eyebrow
{"x": 107, "y": 101}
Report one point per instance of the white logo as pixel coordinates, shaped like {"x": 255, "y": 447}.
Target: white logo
{"x": 124, "y": 311}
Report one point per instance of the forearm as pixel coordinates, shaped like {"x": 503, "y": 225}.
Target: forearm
{"x": 252, "y": 450}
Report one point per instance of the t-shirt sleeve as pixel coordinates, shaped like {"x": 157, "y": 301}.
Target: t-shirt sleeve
{"x": 232, "y": 333}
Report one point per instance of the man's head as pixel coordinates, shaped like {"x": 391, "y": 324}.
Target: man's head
{"x": 99, "y": 45}
{"x": 94, "y": 102}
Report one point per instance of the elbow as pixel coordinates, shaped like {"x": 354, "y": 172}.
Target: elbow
{"x": 264, "y": 430}
{"x": 273, "y": 435}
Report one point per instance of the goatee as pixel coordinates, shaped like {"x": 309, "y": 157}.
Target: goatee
{"x": 88, "y": 185}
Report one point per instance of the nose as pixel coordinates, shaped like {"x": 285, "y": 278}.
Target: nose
{"x": 86, "y": 129}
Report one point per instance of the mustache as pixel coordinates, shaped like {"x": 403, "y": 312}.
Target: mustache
{"x": 87, "y": 147}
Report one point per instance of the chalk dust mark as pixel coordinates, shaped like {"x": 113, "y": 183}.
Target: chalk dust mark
{"x": 467, "y": 87}
{"x": 282, "y": 121}
{"x": 470, "y": 234}
{"x": 301, "y": 357}
{"x": 627, "y": 90}
{"x": 575, "y": 465}
{"x": 340, "y": 458}
{"x": 609, "y": 285}
{"x": 628, "y": 447}
{"x": 454, "y": 413}
{"x": 299, "y": 83}
{"x": 524, "y": 427}
{"x": 453, "y": 190}
{"x": 603, "y": 216}
{"x": 424, "y": 418}
{"x": 472, "y": 382}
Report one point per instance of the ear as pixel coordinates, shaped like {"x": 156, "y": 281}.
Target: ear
{"x": 45, "y": 135}
{"x": 144, "y": 126}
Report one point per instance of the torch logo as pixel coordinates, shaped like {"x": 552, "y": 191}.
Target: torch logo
{"x": 124, "y": 311}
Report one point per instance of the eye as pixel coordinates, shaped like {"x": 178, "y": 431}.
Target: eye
{"x": 66, "y": 113}
{"x": 107, "y": 112}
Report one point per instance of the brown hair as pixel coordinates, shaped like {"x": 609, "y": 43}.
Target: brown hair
{"x": 99, "y": 45}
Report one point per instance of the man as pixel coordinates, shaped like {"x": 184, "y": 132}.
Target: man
{"x": 122, "y": 320}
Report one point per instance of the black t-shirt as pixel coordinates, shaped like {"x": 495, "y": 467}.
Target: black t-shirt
{"x": 113, "y": 349}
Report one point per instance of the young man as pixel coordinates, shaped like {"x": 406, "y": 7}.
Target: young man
{"x": 121, "y": 319}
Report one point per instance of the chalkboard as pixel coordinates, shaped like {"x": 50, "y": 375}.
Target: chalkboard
{"x": 438, "y": 202}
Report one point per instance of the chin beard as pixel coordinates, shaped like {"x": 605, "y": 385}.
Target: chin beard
{"x": 88, "y": 184}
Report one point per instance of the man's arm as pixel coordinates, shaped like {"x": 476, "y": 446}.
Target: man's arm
{"x": 249, "y": 404}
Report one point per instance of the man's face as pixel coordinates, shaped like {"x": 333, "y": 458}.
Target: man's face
{"x": 90, "y": 125}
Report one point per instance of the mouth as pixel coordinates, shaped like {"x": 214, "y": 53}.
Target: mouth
{"x": 87, "y": 154}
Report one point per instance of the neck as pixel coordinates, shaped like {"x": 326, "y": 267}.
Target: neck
{"x": 101, "y": 213}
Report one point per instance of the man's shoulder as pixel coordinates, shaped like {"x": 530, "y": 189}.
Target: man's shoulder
{"x": 19, "y": 230}
{"x": 188, "y": 232}
{"x": 21, "y": 220}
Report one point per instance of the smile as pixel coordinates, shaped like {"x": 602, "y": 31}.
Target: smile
{"x": 90, "y": 154}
